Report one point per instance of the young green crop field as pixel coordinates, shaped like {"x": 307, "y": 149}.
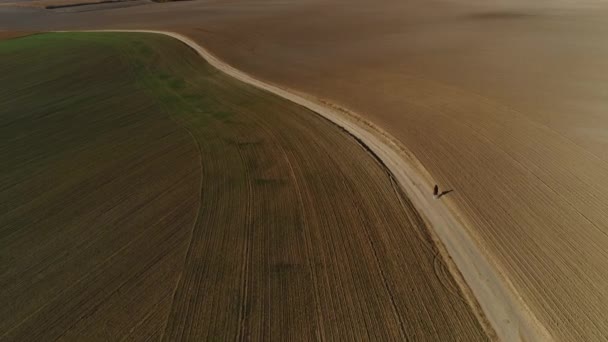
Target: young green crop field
{"x": 145, "y": 195}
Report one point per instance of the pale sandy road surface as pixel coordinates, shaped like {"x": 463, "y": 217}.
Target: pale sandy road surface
{"x": 504, "y": 103}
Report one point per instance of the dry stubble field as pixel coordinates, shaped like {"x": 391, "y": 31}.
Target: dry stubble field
{"x": 146, "y": 195}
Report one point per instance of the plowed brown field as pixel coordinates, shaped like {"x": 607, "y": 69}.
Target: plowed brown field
{"x": 11, "y": 34}
{"x": 145, "y": 195}
{"x": 502, "y": 101}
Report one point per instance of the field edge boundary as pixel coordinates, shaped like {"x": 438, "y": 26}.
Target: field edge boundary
{"x": 495, "y": 301}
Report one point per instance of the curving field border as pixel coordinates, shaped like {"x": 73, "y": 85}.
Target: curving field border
{"x": 496, "y": 302}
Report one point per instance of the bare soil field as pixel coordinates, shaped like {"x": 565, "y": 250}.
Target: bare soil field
{"x": 50, "y": 4}
{"x": 11, "y": 34}
{"x": 146, "y": 195}
{"x": 503, "y": 102}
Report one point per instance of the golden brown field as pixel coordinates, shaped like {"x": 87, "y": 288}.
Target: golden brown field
{"x": 503, "y": 103}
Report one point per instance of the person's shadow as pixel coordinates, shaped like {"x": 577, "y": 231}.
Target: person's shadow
{"x": 444, "y": 193}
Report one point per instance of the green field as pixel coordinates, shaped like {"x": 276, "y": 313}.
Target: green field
{"x": 146, "y": 195}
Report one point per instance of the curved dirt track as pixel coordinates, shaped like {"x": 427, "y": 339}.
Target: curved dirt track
{"x": 508, "y": 315}
{"x": 254, "y": 217}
